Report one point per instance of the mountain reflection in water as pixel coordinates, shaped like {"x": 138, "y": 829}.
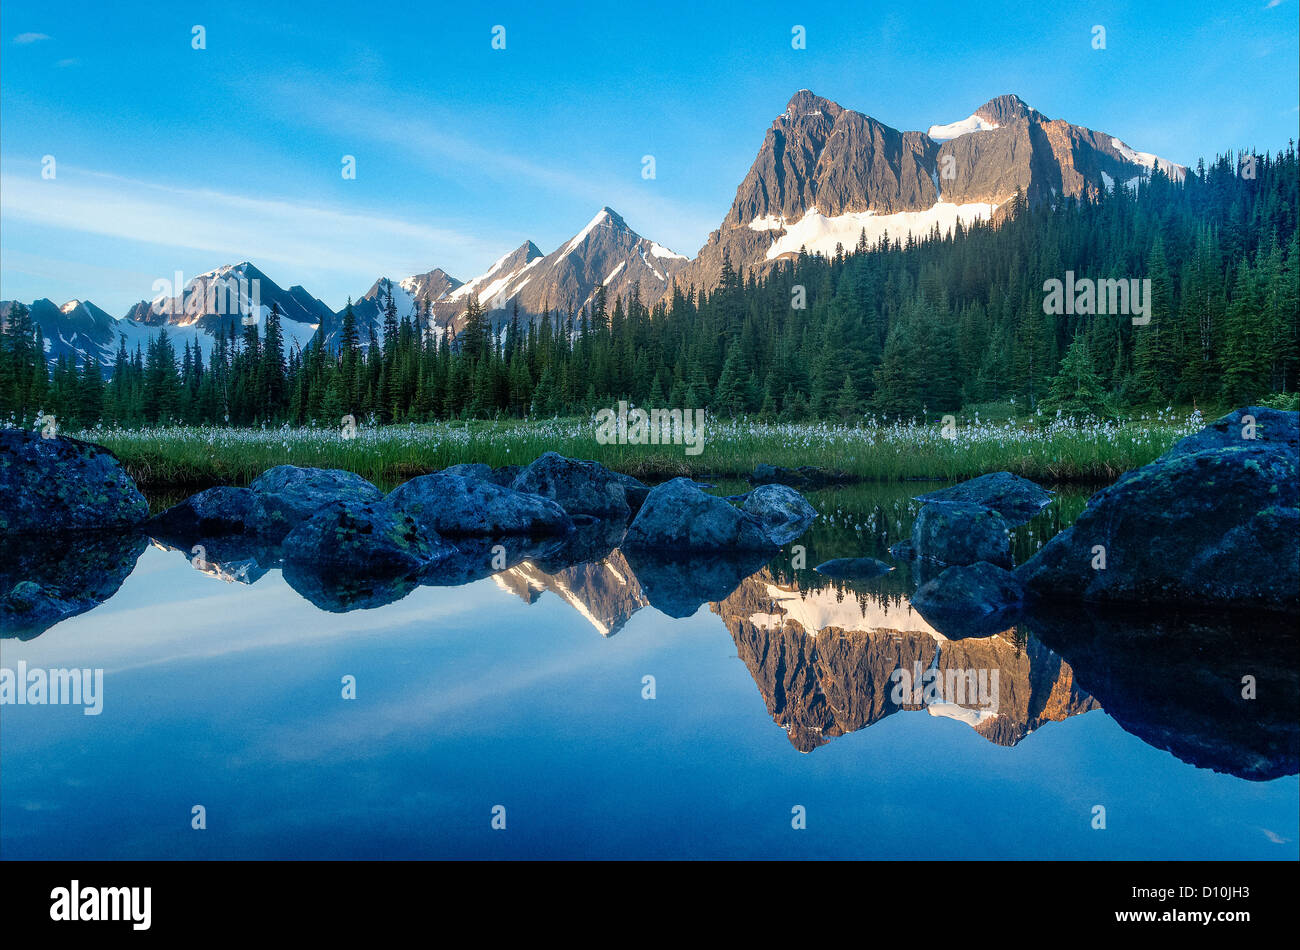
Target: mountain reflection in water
{"x": 828, "y": 658}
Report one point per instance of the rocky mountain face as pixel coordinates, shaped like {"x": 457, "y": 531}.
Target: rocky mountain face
{"x": 223, "y": 297}
{"x": 77, "y": 329}
{"x": 605, "y": 256}
{"x": 824, "y": 175}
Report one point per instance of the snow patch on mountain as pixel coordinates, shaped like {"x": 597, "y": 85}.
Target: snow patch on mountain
{"x": 820, "y": 234}
{"x": 1146, "y": 159}
{"x": 972, "y": 123}
{"x": 658, "y": 250}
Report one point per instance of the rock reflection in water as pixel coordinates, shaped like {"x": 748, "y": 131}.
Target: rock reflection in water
{"x": 1178, "y": 682}
{"x": 45, "y": 580}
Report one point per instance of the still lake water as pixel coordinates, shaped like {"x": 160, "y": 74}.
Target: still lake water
{"x": 772, "y": 690}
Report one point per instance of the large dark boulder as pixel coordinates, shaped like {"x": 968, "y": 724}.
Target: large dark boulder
{"x": 54, "y": 485}
{"x": 294, "y": 494}
{"x": 1270, "y": 425}
{"x": 1014, "y": 498}
{"x": 970, "y": 600}
{"x": 457, "y": 505}
{"x": 955, "y": 532}
{"x": 359, "y": 554}
{"x": 1216, "y": 527}
{"x": 678, "y": 516}
{"x": 578, "y": 487}
{"x": 783, "y": 512}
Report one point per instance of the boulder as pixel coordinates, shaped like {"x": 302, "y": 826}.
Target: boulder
{"x": 970, "y": 600}
{"x": 459, "y": 505}
{"x": 955, "y": 532}
{"x": 294, "y": 494}
{"x": 1216, "y": 527}
{"x": 853, "y": 568}
{"x": 1014, "y": 498}
{"x": 1270, "y": 425}
{"x": 678, "y": 516}
{"x": 783, "y": 512}
{"x": 55, "y": 485}
{"x": 578, "y": 487}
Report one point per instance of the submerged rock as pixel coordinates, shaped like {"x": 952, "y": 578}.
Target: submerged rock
{"x": 783, "y": 512}
{"x": 1014, "y": 498}
{"x": 678, "y": 516}
{"x": 456, "y": 505}
{"x": 578, "y": 487}
{"x": 954, "y": 532}
{"x": 1213, "y": 527}
{"x": 805, "y": 476}
{"x": 358, "y": 554}
{"x": 680, "y": 585}
{"x": 970, "y": 600}
{"x": 55, "y": 485}
{"x": 854, "y": 568}
{"x": 218, "y": 512}
{"x": 593, "y": 539}
{"x": 477, "y": 558}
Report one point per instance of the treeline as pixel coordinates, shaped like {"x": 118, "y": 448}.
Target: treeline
{"x": 901, "y": 327}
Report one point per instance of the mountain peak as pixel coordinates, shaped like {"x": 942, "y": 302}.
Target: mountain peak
{"x": 807, "y": 102}
{"x": 1002, "y": 110}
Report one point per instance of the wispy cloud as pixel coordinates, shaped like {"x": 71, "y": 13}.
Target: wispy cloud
{"x": 299, "y": 236}
{"x": 22, "y": 39}
{"x": 425, "y": 141}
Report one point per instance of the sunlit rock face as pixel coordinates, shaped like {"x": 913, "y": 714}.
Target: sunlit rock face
{"x": 825, "y": 662}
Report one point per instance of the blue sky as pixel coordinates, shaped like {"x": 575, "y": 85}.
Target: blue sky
{"x": 169, "y": 158}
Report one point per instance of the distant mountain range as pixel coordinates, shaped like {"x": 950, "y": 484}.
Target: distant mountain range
{"x": 824, "y": 177}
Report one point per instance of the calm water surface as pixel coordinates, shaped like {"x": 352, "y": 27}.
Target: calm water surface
{"x": 525, "y": 689}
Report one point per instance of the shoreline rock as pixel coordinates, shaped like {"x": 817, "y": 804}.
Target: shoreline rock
{"x": 57, "y": 485}
{"x": 1214, "y": 522}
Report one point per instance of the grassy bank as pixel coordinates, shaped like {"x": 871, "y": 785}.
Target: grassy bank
{"x": 1043, "y": 450}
